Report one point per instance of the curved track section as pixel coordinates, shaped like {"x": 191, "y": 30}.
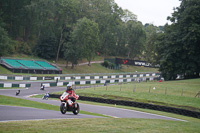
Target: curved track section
{"x": 5, "y": 111}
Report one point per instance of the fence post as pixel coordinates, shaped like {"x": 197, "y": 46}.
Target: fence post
{"x": 182, "y": 93}
{"x": 134, "y": 88}
{"x": 150, "y": 89}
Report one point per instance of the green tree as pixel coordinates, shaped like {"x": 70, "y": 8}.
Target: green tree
{"x": 121, "y": 49}
{"x": 128, "y": 16}
{"x": 72, "y": 53}
{"x": 66, "y": 16}
{"x": 180, "y": 51}
{"x": 14, "y": 15}
{"x": 135, "y": 35}
{"x": 4, "y": 41}
{"x": 46, "y": 46}
{"x": 107, "y": 14}
{"x": 152, "y": 40}
{"x": 86, "y": 35}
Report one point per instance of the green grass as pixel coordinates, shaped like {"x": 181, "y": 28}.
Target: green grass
{"x": 98, "y": 68}
{"x": 173, "y": 96}
{"x": 4, "y": 70}
{"x": 108, "y": 125}
{"x": 85, "y": 69}
{"x": 11, "y": 101}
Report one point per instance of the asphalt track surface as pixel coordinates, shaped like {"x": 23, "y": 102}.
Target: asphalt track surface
{"x": 14, "y": 113}
{"x": 9, "y": 113}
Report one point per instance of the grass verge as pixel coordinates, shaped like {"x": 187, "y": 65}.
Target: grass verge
{"x": 109, "y": 125}
{"x": 12, "y": 101}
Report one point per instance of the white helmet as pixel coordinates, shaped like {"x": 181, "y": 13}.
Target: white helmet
{"x": 69, "y": 87}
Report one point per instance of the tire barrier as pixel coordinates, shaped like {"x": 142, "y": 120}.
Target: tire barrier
{"x": 139, "y": 105}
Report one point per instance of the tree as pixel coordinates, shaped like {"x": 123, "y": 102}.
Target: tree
{"x": 72, "y": 53}
{"x": 121, "y": 49}
{"x": 152, "y": 40}
{"x": 86, "y": 35}
{"x": 107, "y": 14}
{"x": 4, "y": 41}
{"x": 66, "y": 16}
{"x": 128, "y": 16}
{"x": 46, "y": 46}
{"x": 13, "y": 14}
{"x": 135, "y": 36}
{"x": 181, "y": 46}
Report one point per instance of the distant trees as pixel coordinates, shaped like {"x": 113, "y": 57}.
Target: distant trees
{"x": 43, "y": 27}
{"x": 46, "y": 46}
{"x": 77, "y": 29}
{"x": 5, "y": 41}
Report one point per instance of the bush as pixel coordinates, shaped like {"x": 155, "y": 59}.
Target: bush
{"x": 106, "y": 64}
{"x": 112, "y": 65}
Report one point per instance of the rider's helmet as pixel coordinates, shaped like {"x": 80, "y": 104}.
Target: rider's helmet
{"x": 69, "y": 87}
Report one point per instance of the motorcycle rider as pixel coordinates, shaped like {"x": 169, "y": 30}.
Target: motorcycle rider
{"x": 71, "y": 92}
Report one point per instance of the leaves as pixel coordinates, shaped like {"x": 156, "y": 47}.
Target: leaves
{"x": 85, "y": 40}
{"x": 181, "y": 44}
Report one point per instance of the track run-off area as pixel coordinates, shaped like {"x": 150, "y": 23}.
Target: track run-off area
{"x": 14, "y": 113}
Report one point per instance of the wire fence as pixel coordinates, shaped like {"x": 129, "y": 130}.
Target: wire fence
{"x": 135, "y": 87}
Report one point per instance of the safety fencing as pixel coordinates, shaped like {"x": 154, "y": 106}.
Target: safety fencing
{"x": 81, "y": 77}
{"x": 83, "y": 80}
{"x": 102, "y": 81}
{"x": 139, "y": 105}
{"x": 10, "y": 85}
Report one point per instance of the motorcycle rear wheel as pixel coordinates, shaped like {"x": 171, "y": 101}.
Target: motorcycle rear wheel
{"x": 63, "y": 109}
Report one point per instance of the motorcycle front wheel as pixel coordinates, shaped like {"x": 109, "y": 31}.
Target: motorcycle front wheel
{"x": 63, "y": 109}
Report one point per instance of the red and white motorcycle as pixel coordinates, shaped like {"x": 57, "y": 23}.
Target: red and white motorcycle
{"x": 69, "y": 103}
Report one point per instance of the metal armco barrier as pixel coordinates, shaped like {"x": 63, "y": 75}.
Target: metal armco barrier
{"x": 139, "y": 105}
{"x": 10, "y": 85}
